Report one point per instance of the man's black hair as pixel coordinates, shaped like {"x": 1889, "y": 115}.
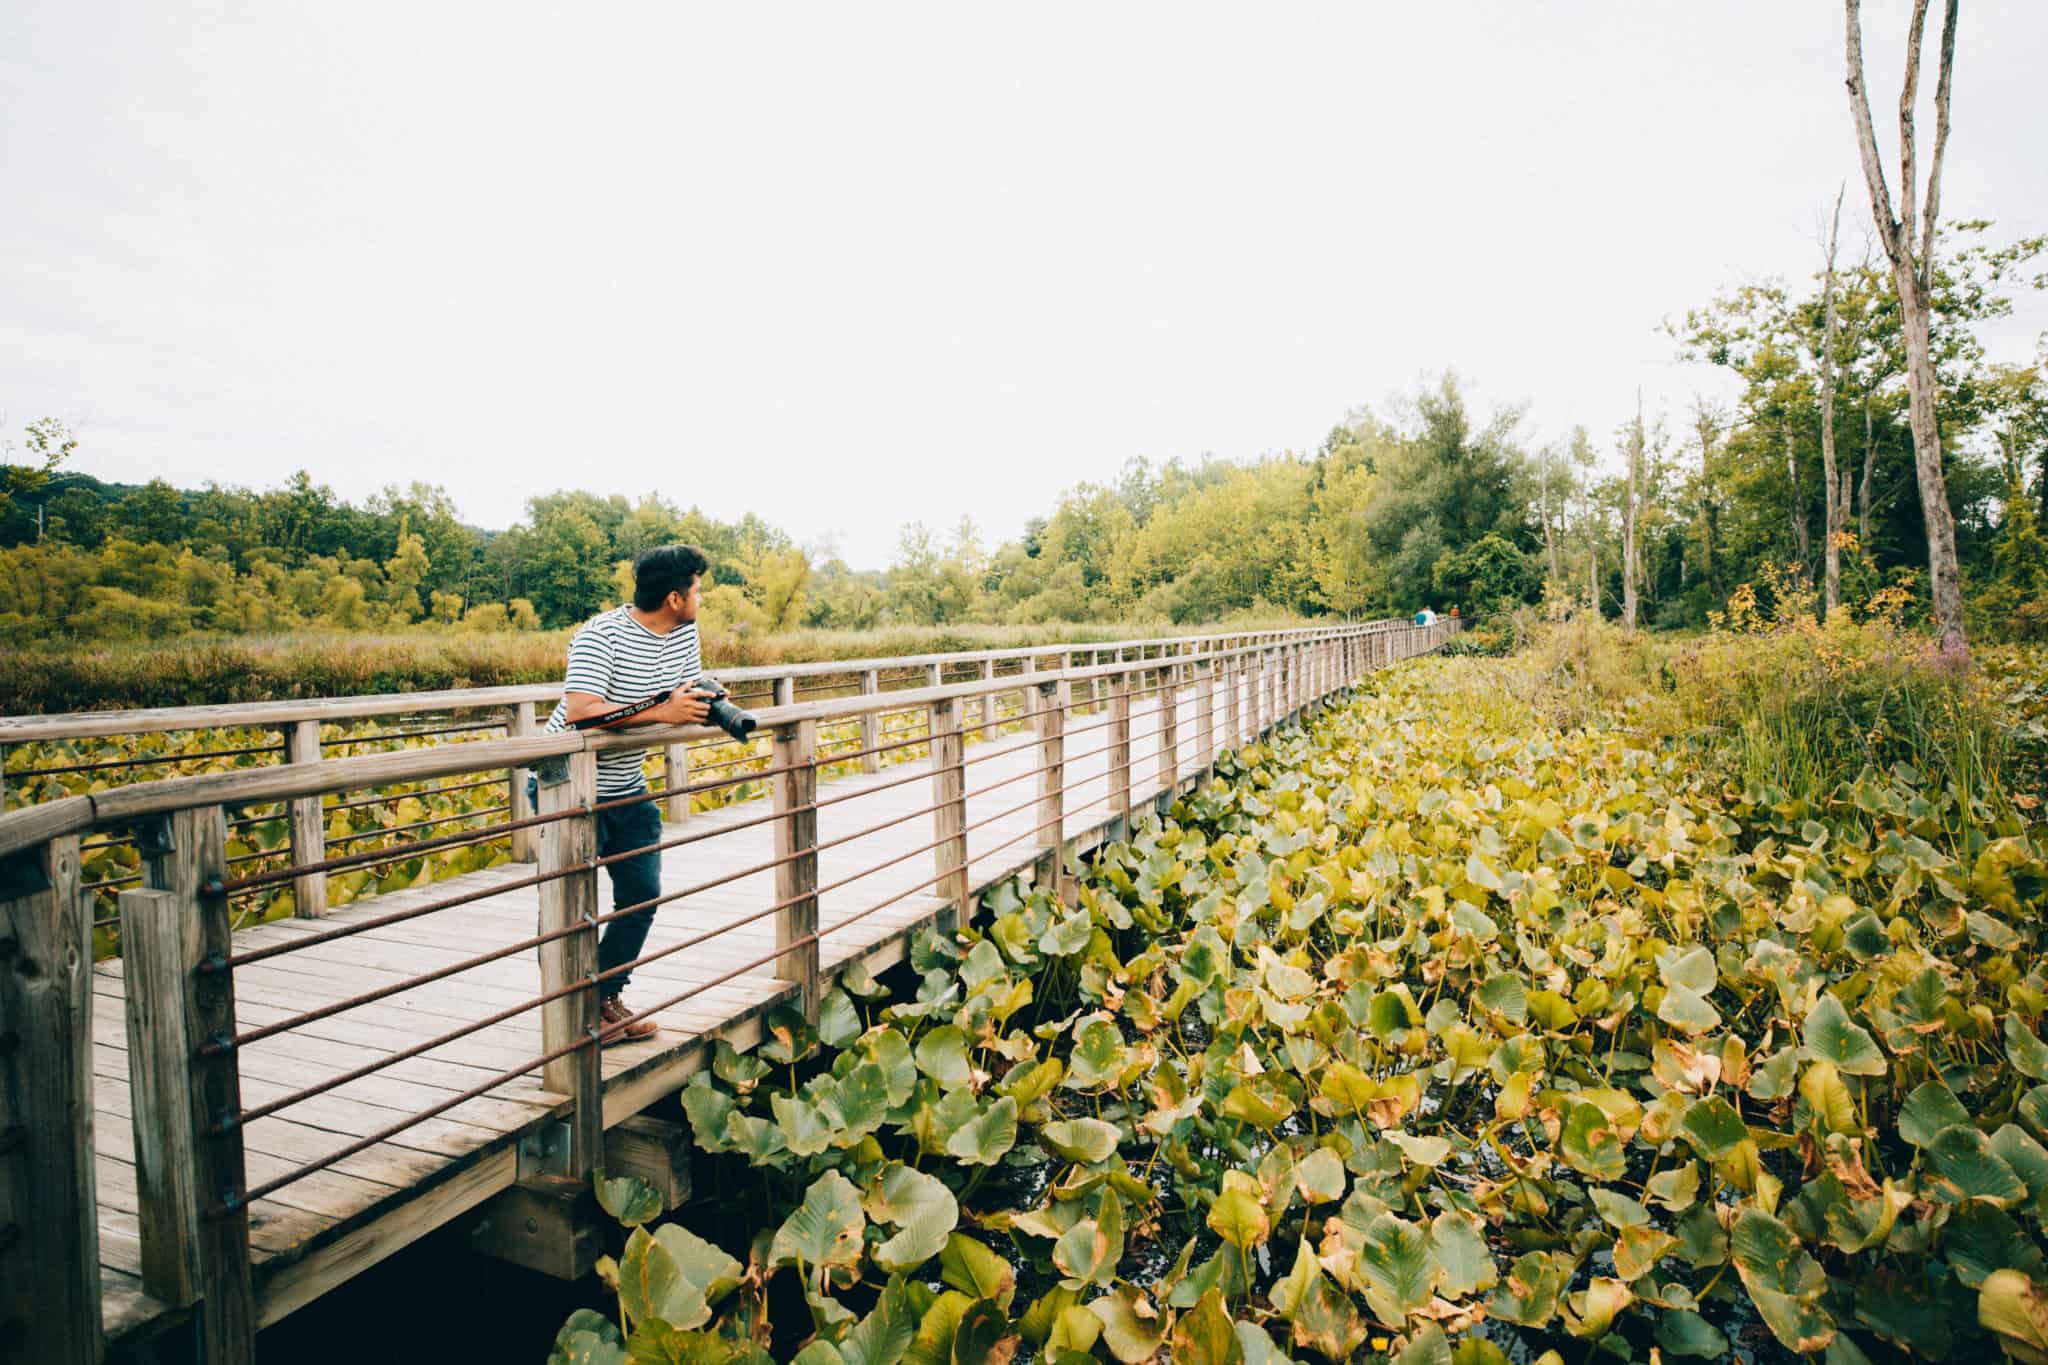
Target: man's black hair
{"x": 663, "y": 570}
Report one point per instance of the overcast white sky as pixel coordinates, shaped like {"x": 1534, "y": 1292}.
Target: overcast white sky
{"x": 846, "y": 265}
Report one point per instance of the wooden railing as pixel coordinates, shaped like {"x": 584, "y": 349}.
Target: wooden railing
{"x": 294, "y": 730}
{"x": 180, "y": 956}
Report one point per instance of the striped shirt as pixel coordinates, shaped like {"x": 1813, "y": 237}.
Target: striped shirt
{"x": 617, "y": 658}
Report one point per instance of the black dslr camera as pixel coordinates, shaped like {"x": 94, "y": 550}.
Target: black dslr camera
{"x": 727, "y": 717}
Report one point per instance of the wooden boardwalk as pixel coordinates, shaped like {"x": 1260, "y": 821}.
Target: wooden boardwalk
{"x": 327, "y": 1226}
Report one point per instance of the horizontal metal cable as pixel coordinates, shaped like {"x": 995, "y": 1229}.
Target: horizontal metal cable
{"x": 413, "y": 849}
{"x": 392, "y": 796}
{"x": 163, "y": 762}
{"x": 381, "y": 736}
{"x": 419, "y": 824}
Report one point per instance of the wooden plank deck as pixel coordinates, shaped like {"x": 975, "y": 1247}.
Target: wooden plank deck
{"x": 323, "y": 1228}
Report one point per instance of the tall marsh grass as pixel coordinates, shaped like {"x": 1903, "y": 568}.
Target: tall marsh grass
{"x": 1794, "y": 708}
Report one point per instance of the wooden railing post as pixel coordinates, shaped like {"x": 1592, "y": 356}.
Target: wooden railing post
{"x": 675, "y": 779}
{"x": 1169, "y": 727}
{"x": 795, "y": 794}
{"x": 158, "y": 952}
{"x": 785, "y": 691}
{"x": 525, "y": 842}
{"x": 569, "y": 845}
{"x": 949, "y": 807}
{"x": 985, "y": 704}
{"x": 1027, "y": 695}
{"x": 1205, "y": 714}
{"x": 1119, "y": 746}
{"x": 871, "y": 723}
{"x": 308, "y": 825}
{"x": 185, "y": 854}
{"x": 1052, "y": 764}
{"x": 49, "y": 1215}
{"x": 1233, "y": 680}
{"x": 1270, "y": 682}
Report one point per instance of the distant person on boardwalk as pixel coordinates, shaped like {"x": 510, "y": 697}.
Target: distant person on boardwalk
{"x": 1425, "y": 617}
{"x": 625, "y": 656}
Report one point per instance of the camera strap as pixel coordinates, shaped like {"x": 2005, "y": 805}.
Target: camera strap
{"x": 627, "y": 712}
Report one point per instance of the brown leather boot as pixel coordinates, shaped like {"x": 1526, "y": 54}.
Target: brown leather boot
{"x": 612, "y": 1016}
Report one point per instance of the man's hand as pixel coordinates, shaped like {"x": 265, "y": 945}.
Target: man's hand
{"x": 684, "y": 708}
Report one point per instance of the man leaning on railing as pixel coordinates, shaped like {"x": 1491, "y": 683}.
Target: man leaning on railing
{"x": 618, "y": 659}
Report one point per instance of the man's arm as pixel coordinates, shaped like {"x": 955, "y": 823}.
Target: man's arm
{"x": 683, "y": 708}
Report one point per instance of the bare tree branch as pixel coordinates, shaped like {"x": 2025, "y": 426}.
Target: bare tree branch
{"x": 1909, "y": 169}
{"x": 1866, "y": 137}
{"x": 1941, "y": 90}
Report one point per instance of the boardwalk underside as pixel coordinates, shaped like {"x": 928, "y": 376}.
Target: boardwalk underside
{"x": 321, "y": 1229}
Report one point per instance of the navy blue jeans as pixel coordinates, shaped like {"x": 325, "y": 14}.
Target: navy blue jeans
{"x": 633, "y": 880}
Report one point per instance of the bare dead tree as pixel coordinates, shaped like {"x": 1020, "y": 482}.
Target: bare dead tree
{"x": 1834, "y": 488}
{"x": 1795, "y": 497}
{"x": 1631, "y": 507}
{"x": 1911, "y": 260}
{"x": 1708, "y": 427}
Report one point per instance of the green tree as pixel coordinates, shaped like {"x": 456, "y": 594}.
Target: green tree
{"x": 49, "y": 443}
{"x": 567, "y": 562}
{"x": 1486, "y": 576}
{"x": 403, "y": 573}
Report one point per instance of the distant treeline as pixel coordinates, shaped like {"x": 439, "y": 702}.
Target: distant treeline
{"x": 1428, "y": 503}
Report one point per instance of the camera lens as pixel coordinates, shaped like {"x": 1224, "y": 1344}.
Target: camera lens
{"x": 729, "y": 718}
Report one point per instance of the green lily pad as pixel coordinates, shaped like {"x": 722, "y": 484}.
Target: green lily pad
{"x": 1239, "y": 1214}
{"x": 1458, "y": 1241}
{"x": 1081, "y": 1140}
{"x": 838, "y": 1020}
{"x": 1783, "y": 1281}
{"x": 886, "y": 1332}
{"x": 1590, "y": 1144}
{"x": 2028, "y": 1055}
{"x": 983, "y": 1335}
{"x": 825, "y": 1230}
{"x": 674, "y": 1275}
{"x": 983, "y": 1139}
{"x": 922, "y": 1209}
{"x": 588, "y": 1338}
{"x": 1320, "y": 1177}
{"x": 627, "y": 1198}
{"x": 2015, "y": 1309}
{"x": 1713, "y": 1127}
{"x": 975, "y": 1270}
{"x": 1132, "y": 1327}
{"x": 1829, "y": 1033}
{"x": 942, "y": 1055}
{"x": 1399, "y": 1268}
{"x": 1930, "y": 1108}
{"x": 1088, "y": 1252}
{"x": 1528, "y": 1296}
{"x": 1685, "y": 1333}
{"x": 1969, "y": 1169}
{"x": 1205, "y": 1336}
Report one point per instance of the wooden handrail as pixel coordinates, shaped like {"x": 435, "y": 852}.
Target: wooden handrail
{"x": 149, "y": 720}
{"x": 123, "y": 805}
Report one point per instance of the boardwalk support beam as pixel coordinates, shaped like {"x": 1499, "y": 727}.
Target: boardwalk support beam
{"x": 49, "y": 1217}
{"x": 794, "y": 798}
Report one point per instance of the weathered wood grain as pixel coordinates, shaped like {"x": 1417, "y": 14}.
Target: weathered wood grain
{"x": 49, "y": 1256}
